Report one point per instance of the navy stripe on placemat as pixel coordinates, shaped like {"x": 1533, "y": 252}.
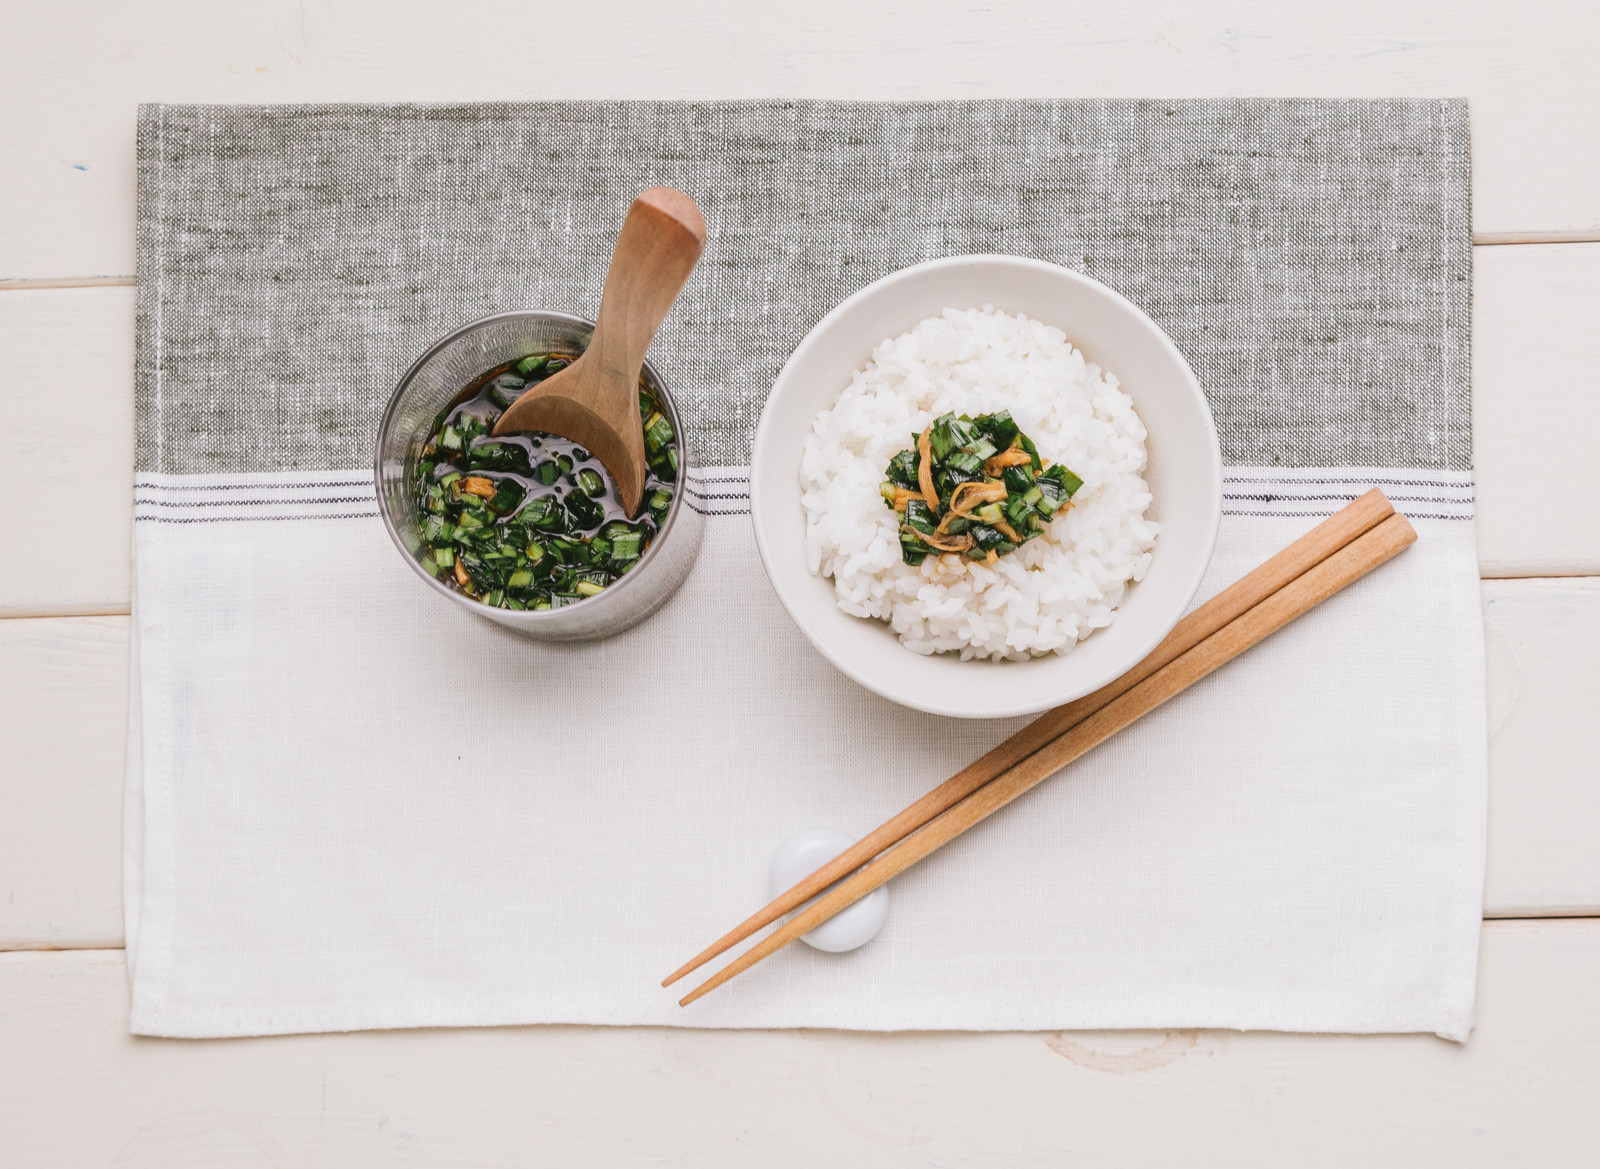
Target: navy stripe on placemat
{"x": 1246, "y": 492}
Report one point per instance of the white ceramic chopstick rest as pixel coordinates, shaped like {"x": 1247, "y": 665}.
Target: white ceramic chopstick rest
{"x": 800, "y": 856}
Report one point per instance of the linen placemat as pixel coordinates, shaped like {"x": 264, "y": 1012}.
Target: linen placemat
{"x": 350, "y": 805}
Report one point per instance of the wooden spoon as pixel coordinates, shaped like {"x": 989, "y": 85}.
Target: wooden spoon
{"x": 595, "y": 400}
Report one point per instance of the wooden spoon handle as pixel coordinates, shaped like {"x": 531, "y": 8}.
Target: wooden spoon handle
{"x": 659, "y": 245}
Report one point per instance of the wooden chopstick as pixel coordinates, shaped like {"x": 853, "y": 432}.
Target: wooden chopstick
{"x": 1311, "y": 549}
{"x": 1301, "y": 594}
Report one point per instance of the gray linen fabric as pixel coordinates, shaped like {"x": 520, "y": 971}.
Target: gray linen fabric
{"x": 1311, "y": 258}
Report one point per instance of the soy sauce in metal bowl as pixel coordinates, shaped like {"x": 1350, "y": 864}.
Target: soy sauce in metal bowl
{"x": 532, "y": 521}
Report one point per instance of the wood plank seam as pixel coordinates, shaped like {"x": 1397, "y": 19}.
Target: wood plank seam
{"x": 1498, "y": 239}
{"x": 1556, "y": 571}
{"x": 34, "y": 283}
{"x": 1585, "y": 914}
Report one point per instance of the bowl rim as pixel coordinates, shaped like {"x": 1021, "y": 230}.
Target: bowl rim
{"x": 525, "y": 617}
{"x": 812, "y": 340}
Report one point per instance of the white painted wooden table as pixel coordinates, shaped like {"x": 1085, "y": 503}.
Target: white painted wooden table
{"x": 76, "y": 1090}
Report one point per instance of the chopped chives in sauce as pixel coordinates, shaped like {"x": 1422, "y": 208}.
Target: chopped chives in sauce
{"x": 974, "y": 486}
{"x": 530, "y": 520}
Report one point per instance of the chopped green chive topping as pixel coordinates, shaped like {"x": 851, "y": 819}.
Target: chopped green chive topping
{"x": 529, "y": 521}
{"x": 991, "y": 492}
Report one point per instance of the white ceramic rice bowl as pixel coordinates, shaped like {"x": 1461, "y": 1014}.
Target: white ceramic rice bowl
{"x": 1184, "y": 475}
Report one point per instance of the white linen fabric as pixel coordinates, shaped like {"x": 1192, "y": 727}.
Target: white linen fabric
{"x": 351, "y": 805}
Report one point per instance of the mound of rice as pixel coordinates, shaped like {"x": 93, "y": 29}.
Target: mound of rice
{"x": 1051, "y": 592}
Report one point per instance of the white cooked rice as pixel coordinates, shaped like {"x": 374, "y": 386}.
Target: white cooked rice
{"x": 1051, "y": 592}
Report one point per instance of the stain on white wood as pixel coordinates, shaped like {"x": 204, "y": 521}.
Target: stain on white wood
{"x": 63, "y": 685}
{"x": 68, "y": 200}
{"x": 76, "y": 1090}
{"x": 1536, "y": 407}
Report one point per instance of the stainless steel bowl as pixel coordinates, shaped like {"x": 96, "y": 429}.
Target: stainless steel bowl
{"x": 436, "y": 378}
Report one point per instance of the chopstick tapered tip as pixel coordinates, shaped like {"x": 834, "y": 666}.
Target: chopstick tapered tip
{"x": 692, "y": 964}
{"x": 742, "y": 963}
{"x": 772, "y": 944}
